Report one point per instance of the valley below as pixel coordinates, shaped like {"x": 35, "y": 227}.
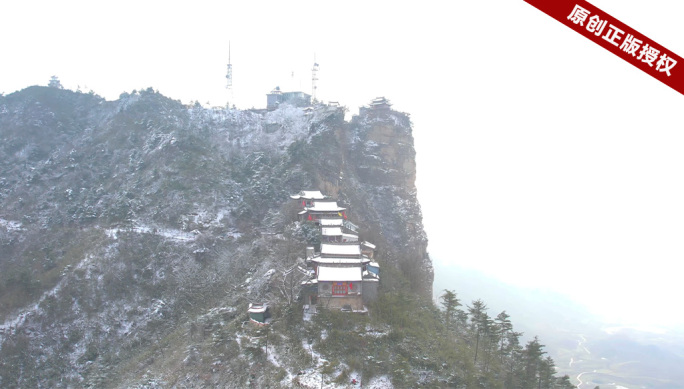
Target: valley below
{"x": 592, "y": 352}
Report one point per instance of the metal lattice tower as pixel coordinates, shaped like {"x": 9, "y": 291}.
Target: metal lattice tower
{"x": 314, "y": 80}
{"x": 229, "y": 75}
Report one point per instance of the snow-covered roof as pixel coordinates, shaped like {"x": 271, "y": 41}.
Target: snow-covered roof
{"x": 331, "y": 222}
{"x": 328, "y": 273}
{"x": 325, "y": 206}
{"x": 379, "y": 101}
{"x": 337, "y": 231}
{"x": 351, "y": 225}
{"x": 309, "y": 195}
{"x": 368, "y": 244}
{"x": 340, "y": 249}
{"x": 350, "y": 237}
{"x": 331, "y": 231}
{"x": 257, "y": 308}
{"x": 340, "y": 261}
{"x": 370, "y": 276}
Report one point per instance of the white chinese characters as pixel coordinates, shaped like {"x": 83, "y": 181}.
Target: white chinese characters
{"x": 665, "y": 64}
{"x": 578, "y": 15}
{"x": 648, "y": 54}
{"x": 630, "y": 45}
{"x": 596, "y": 25}
{"x": 615, "y": 35}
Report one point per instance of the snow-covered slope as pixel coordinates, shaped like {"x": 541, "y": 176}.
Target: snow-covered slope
{"x": 133, "y": 234}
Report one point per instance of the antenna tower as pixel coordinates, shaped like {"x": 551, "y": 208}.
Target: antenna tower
{"x": 314, "y": 80}
{"x": 229, "y": 76}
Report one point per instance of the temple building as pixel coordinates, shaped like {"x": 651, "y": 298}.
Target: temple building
{"x": 259, "y": 313}
{"x": 322, "y": 209}
{"x": 340, "y": 221}
{"x": 308, "y": 197}
{"x": 336, "y": 235}
{"x": 377, "y": 105}
{"x": 344, "y": 275}
{"x": 368, "y": 249}
{"x": 340, "y": 287}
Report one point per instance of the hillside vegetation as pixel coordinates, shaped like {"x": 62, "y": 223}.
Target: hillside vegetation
{"x": 134, "y": 233}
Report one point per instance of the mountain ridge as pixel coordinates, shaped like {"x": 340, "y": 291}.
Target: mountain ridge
{"x": 125, "y": 213}
{"x": 135, "y": 233}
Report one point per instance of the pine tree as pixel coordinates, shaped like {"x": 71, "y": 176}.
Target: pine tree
{"x": 546, "y": 370}
{"x": 533, "y": 359}
{"x": 514, "y": 356}
{"x": 504, "y": 325}
{"x": 564, "y": 383}
{"x": 477, "y": 313}
{"x": 450, "y": 304}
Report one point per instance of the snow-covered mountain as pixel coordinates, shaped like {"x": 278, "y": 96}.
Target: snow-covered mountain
{"x": 134, "y": 233}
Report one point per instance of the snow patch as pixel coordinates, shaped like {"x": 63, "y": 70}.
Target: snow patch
{"x": 381, "y": 382}
{"x": 11, "y": 225}
{"x": 170, "y": 234}
{"x": 309, "y": 311}
{"x": 269, "y": 273}
{"x": 374, "y": 333}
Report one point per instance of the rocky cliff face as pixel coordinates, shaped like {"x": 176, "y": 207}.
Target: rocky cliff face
{"x": 382, "y": 175}
{"x": 134, "y": 233}
{"x": 369, "y": 165}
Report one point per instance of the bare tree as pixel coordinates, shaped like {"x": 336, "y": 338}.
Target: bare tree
{"x": 289, "y": 281}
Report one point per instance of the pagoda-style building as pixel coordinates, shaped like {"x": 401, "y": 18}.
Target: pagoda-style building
{"x": 322, "y": 209}
{"x": 308, "y": 197}
{"x": 342, "y": 278}
{"x": 378, "y": 105}
{"x": 337, "y": 235}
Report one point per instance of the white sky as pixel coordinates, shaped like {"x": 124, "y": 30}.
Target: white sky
{"x": 543, "y": 159}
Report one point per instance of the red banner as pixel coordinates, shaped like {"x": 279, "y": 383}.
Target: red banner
{"x": 618, "y": 38}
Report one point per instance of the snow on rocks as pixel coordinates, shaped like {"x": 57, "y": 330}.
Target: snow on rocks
{"x": 11, "y": 225}
{"x": 167, "y": 233}
{"x": 311, "y": 379}
{"x": 269, "y": 273}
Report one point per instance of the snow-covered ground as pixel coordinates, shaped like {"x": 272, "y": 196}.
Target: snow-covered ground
{"x": 275, "y": 358}
{"x": 309, "y": 311}
{"x": 14, "y": 322}
{"x": 311, "y": 378}
{"x": 381, "y": 382}
{"x": 11, "y": 225}
{"x": 375, "y": 332}
{"x": 171, "y": 234}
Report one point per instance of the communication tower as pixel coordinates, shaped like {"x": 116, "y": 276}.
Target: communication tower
{"x": 229, "y": 76}
{"x": 314, "y": 80}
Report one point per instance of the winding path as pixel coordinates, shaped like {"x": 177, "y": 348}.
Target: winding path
{"x": 580, "y": 345}
{"x": 579, "y": 386}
